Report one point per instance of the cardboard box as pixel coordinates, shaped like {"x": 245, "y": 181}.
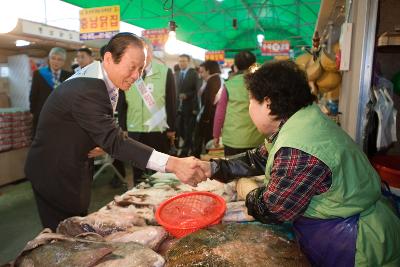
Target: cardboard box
{"x": 4, "y": 85}
{"x": 4, "y": 101}
{"x": 12, "y": 165}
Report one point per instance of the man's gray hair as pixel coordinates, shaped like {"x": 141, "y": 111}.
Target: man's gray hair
{"x": 59, "y": 51}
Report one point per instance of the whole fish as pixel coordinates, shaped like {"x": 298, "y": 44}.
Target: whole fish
{"x": 51, "y": 249}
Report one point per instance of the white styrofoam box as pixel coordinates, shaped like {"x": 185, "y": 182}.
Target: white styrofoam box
{"x": 19, "y": 80}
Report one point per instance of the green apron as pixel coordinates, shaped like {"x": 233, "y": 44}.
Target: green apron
{"x": 355, "y": 187}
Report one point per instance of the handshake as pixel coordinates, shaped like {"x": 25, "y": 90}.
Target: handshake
{"x": 189, "y": 170}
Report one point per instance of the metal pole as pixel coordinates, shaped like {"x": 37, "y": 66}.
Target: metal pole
{"x": 45, "y": 12}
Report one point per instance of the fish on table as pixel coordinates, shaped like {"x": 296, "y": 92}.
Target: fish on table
{"x": 52, "y": 249}
{"x": 236, "y": 245}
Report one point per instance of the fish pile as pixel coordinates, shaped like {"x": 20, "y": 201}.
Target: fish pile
{"x": 126, "y": 233}
{"x": 237, "y": 212}
{"x": 103, "y": 222}
{"x": 52, "y": 249}
{"x": 137, "y": 207}
{"x": 234, "y": 245}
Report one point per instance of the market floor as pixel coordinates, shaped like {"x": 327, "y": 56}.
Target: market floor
{"x": 19, "y": 220}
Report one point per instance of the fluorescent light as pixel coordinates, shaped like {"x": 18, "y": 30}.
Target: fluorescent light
{"x": 170, "y": 45}
{"x": 22, "y": 43}
{"x": 260, "y": 38}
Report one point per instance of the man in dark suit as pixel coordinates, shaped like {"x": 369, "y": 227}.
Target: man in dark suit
{"x": 45, "y": 80}
{"x": 77, "y": 122}
{"x": 187, "y": 79}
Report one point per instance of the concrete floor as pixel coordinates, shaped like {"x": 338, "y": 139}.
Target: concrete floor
{"x": 19, "y": 220}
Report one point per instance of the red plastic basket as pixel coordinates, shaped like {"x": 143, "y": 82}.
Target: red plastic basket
{"x": 388, "y": 168}
{"x": 188, "y": 212}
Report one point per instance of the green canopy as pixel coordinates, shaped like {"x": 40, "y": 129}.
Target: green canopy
{"x": 209, "y": 23}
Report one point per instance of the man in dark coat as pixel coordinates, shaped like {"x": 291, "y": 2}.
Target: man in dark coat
{"x": 186, "y": 81}
{"x": 45, "y": 80}
{"x": 77, "y": 122}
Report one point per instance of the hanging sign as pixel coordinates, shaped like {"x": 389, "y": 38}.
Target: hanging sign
{"x": 218, "y": 56}
{"x": 158, "y": 38}
{"x": 275, "y": 48}
{"x": 45, "y": 31}
{"x": 99, "y": 22}
{"x": 229, "y": 62}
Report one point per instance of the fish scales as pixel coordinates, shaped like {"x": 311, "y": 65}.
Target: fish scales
{"x": 235, "y": 245}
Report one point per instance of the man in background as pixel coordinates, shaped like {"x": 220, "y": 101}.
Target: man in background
{"x": 84, "y": 57}
{"x": 45, "y": 80}
{"x": 186, "y": 80}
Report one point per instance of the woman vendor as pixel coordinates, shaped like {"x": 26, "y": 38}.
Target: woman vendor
{"x": 316, "y": 176}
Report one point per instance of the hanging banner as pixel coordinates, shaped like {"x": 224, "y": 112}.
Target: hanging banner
{"x": 275, "y": 48}
{"x": 229, "y": 62}
{"x": 46, "y": 31}
{"x": 158, "y": 38}
{"x": 218, "y": 56}
{"x": 99, "y": 22}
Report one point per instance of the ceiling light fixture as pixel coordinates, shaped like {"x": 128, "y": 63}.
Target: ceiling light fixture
{"x": 171, "y": 44}
{"x": 260, "y": 38}
{"x": 22, "y": 43}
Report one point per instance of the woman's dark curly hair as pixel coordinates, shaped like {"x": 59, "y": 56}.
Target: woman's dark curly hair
{"x": 284, "y": 84}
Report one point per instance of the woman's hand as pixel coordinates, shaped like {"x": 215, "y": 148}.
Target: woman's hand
{"x": 187, "y": 170}
{"x": 216, "y": 142}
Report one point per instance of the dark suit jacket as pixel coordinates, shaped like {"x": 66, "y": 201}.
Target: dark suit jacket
{"x": 40, "y": 90}
{"x": 188, "y": 87}
{"x": 208, "y": 97}
{"x": 77, "y": 117}
{"x": 206, "y": 123}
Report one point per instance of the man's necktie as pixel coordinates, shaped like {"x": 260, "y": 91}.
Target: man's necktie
{"x": 56, "y": 80}
{"x": 114, "y": 98}
{"x": 181, "y": 77}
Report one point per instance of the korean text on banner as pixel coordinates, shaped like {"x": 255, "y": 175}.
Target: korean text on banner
{"x": 218, "y": 56}
{"x": 99, "y": 22}
{"x": 275, "y": 48}
{"x": 158, "y": 37}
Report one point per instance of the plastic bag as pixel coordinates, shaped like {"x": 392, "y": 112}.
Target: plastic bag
{"x": 384, "y": 107}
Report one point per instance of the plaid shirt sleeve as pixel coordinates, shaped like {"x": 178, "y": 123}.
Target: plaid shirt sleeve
{"x": 295, "y": 178}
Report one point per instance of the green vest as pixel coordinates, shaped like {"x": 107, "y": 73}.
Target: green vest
{"x": 239, "y": 130}
{"x": 138, "y": 113}
{"x": 355, "y": 185}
